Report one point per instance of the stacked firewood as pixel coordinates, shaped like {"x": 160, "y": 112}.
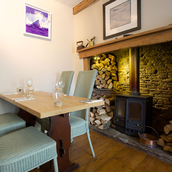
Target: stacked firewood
{"x": 101, "y": 116}
{"x": 107, "y": 71}
{"x": 165, "y": 139}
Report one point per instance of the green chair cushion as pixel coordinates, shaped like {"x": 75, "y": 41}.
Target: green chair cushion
{"x": 25, "y": 149}
{"x": 78, "y": 126}
{"x": 10, "y": 122}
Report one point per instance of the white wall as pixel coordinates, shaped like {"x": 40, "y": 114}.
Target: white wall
{"x": 89, "y": 22}
{"x": 25, "y": 56}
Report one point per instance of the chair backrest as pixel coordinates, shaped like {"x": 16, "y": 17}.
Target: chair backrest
{"x": 84, "y": 84}
{"x": 84, "y": 87}
{"x": 67, "y": 78}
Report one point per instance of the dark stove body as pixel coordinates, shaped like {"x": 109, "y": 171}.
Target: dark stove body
{"x": 132, "y": 112}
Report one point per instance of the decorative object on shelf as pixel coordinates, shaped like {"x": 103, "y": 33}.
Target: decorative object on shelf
{"x": 37, "y": 22}
{"x": 79, "y": 45}
{"x": 121, "y": 17}
{"x": 91, "y": 42}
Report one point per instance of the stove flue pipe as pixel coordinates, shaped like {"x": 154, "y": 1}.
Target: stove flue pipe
{"x": 134, "y": 71}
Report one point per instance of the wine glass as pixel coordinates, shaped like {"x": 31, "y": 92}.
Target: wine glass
{"x": 29, "y": 82}
{"x": 59, "y": 84}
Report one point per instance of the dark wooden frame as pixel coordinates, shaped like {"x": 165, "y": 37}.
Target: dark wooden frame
{"x": 125, "y": 31}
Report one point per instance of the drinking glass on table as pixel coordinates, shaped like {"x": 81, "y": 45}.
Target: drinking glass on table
{"x": 30, "y": 86}
{"x": 25, "y": 92}
{"x": 58, "y": 98}
{"x": 19, "y": 90}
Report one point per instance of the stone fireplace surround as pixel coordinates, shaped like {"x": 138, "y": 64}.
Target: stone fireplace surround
{"x": 158, "y": 68}
{"x": 153, "y": 37}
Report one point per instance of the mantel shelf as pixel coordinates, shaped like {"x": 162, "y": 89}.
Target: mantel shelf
{"x": 155, "y": 36}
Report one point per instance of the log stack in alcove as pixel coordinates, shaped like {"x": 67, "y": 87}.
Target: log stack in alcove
{"x": 107, "y": 73}
{"x": 107, "y": 70}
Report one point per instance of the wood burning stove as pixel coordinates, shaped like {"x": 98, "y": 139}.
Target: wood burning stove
{"x": 133, "y": 111}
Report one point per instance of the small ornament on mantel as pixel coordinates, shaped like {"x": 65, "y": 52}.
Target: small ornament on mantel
{"x": 91, "y": 42}
{"x": 80, "y": 45}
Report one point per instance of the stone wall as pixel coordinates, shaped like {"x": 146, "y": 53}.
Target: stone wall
{"x": 156, "y": 74}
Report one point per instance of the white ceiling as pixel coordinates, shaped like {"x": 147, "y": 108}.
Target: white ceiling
{"x": 70, "y": 3}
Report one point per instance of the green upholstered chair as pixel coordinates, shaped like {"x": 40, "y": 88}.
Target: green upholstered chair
{"x": 26, "y": 149}
{"x": 10, "y": 122}
{"x": 79, "y": 119}
{"x": 67, "y": 78}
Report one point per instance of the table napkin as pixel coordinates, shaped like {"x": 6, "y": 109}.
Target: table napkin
{"x": 52, "y": 94}
{"x": 92, "y": 101}
{"x": 8, "y": 93}
{"x": 22, "y": 99}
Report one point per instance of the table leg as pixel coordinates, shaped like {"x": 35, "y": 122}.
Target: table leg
{"x": 28, "y": 117}
{"x": 60, "y": 132}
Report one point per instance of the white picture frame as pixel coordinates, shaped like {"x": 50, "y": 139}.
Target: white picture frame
{"x": 37, "y": 21}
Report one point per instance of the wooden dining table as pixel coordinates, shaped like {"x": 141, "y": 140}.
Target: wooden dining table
{"x": 42, "y": 107}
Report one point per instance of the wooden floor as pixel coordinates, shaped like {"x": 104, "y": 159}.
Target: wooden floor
{"x": 111, "y": 156}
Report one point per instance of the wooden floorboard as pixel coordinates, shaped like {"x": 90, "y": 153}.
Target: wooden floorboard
{"x": 117, "y": 160}
{"x": 111, "y": 156}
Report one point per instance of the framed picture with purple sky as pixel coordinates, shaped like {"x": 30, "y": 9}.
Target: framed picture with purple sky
{"x": 37, "y": 22}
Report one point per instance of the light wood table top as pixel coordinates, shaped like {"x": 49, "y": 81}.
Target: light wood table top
{"x": 42, "y": 106}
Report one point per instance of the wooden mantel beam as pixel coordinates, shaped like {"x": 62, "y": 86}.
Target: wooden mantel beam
{"x": 155, "y": 36}
{"x": 82, "y": 5}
